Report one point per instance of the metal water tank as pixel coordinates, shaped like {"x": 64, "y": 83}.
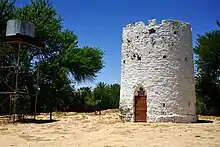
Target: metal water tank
{"x": 22, "y": 27}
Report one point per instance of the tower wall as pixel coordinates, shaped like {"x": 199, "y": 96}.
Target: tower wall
{"x": 159, "y": 58}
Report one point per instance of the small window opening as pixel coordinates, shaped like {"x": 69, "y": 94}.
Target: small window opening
{"x": 164, "y": 56}
{"x": 186, "y": 59}
{"x": 128, "y": 40}
{"x": 175, "y": 32}
{"x": 141, "y": 89}
{"x": 152, "y": 31}
{"x": 149, "y": 52}
{"x": 137, "y": 37}
{"x": 138, "y": 57}
{"x": 163, "y": 104}
{"x": 124, "y": 61}
{"x": 189, "y": 104}
{"x": 134, "y": 55}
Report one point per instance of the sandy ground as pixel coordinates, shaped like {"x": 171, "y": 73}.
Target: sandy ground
{"x": 106, "y": 130}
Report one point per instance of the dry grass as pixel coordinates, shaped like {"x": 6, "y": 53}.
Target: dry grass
{"x": 106, "y": 130}
{"x": 209, "y": 117}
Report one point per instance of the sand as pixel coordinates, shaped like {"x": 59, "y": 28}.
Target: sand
{"x": 106, "y": 130}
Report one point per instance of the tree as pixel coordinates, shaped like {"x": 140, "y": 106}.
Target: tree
{"x": 115, "y": 95}
{"x": 107, "y": 95}
{"x": 60, "y": 59}
{"x": 218, "y": 22}
{"x": 101, "y": 94}
{"x": 207, "y": 80}
{"x": 7, "y": 8}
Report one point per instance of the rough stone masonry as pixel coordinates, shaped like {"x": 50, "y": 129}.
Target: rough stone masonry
{"x": 159, "y": 59}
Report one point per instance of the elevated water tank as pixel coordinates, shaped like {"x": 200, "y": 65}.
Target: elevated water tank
{"x": 22, "y": 27}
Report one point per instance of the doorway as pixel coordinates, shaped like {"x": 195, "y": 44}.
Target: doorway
{"x": 141, "y": 106}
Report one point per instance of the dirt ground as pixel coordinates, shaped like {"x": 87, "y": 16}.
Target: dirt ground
{"x": 106, "y": 130}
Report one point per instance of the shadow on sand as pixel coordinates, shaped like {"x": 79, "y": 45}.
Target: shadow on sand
{"x": 36, "y": 121}
{"x": 204, "y": 121}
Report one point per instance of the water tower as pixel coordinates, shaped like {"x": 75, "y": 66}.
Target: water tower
{"x": 15, "y": 49}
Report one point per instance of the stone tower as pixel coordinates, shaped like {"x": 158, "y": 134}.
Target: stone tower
{"x": 157, "y": 72}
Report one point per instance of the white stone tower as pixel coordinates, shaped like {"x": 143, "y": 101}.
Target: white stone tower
{"x": 157, "y": 72}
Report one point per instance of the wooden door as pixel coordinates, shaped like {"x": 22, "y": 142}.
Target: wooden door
{"x": 140, "y": 108}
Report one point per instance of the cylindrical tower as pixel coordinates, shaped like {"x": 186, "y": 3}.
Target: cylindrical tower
{"x": 157, "y": 72}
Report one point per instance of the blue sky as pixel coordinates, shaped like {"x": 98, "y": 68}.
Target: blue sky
{"x": 99, "y": 23}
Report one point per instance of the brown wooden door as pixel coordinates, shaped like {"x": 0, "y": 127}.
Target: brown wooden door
{"x": 140, "y": 108}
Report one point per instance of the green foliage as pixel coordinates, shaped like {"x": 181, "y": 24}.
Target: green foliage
{"x": 115, "y": 95}
{"x": 207, "y": 80}
{"x": 103, "y": 96}
{"x": 218, "y": 22}
{"x": 83, "y": 63}
{"x": 86, "y": 99}
{"x": 61, "y": 62}
{"x": 7, "y": 8}
{"x": 200, "y": 102}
